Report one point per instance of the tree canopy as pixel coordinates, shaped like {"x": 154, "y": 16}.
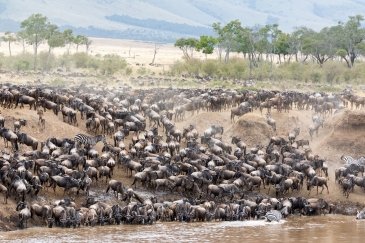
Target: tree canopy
{"x": 345, "y": 41}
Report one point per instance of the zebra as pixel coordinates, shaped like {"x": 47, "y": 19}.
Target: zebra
{"x": 349, "y": 160}
{"x": 88, "y": 141}
{"x": 273, "y": 215}
{"x": 354, "y": 165}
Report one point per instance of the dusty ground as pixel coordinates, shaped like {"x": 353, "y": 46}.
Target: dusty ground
{"x": 343, "y": 133}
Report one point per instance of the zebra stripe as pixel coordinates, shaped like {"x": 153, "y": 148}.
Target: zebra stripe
{"x": 349, "y": 160}
{"x": 273, "y": 215}
{"x": 89, "y": 141}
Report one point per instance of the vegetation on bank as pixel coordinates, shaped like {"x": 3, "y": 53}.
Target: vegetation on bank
{"x": 331, "y": 57}
{"x": 103, "y": 65}
{"x": 331, "y": 72}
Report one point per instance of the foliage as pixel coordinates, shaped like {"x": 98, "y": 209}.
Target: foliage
{"x": 112, "y": 64}
{"x": 36, "y": 29}
{"x": 9, "y": 38}
{"x": 187, "y": 45}
{"x": 206, "y": 44}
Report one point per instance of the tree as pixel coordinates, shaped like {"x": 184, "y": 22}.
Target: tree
{"x": 87, "y": 42}
{"x": 206, "y": 44}
{"x": 228, "y": 37}
{"x": 55, "y": 39}
{"x": 21, "y": 36}
{"x": 154, "y": 54}
{"x": 78, "y": 40}
{"x": 281, "y": 45}
{"x": 35, "y": 29}
{"x": 9, "y": 38}
{"x": 294, "y": 43}
{"x": 350, "y": 37}
{"x": 187, "y": 45}
{"x": 319, "y": 45}
{"x": 69, "y": 39}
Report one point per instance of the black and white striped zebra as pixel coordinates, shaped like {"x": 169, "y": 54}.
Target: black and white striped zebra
{"x": 353, "y": 166}
{"x": 273, "y": 215}
{"x": 88, "y": 141}
{"x": 349, "y": 160}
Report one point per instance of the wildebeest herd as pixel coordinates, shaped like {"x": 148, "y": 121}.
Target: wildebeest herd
{"x": 216, "y": 180}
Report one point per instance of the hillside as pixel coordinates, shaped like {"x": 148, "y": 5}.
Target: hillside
{"x": 162, "y": 20}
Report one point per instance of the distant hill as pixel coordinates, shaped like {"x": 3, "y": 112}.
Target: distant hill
{"x": 166, "y": 20}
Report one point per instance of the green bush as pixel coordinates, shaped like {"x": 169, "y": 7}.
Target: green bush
{"x": 142, "y": 71}
{"x": 315, "y": 76}
{"x": 22, "y": 62}
{"x": 111, "y": 64}
{"x": 128, "y": 71}
{"x": 46, "y": 61}
{"x": 80, "y": 60}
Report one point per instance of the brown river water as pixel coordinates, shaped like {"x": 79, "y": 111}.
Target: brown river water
{"x": 321, "y": 229}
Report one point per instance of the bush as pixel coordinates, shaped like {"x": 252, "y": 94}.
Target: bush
{"x": 80, "y": 60}
{"x": 46, "y": 61}
{"x": 22, "y": 62}
{"x": 142, "y": 71}
{"x": 209, "y": 67}
{"x": 111, "y": 64}
{"x": 128, "y": 71}
{"x": 316, "y": 76}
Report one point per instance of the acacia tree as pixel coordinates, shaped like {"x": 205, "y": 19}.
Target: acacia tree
{"x": 206, "y": 44}
{"x": 78, "y": 40}
{"x": 350, "y": 37}
{"x": 87, "y": 42}
{"x": 228, "y": 37}
{"x": 21, "y": 36}
{"x": 35, "y": 29}
{"x": 187, "y": 45}
{"x": 55, "y": 39}
{"x": 281, "y": 45}
{"x": 69, "y": 39}
{"x": 9, "y": 38}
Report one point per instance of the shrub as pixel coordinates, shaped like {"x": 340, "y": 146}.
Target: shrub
{"x": 111, "y": 64}
{"x": 128, "y": 71}
{"x": 80, "y": 60}
{"x": 316, "y": 76}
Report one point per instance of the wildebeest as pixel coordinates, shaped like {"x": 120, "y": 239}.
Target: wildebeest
{"x": 240, "y": 111}
{"x": 24, "y": 214}
{"x": 347, "y": 185}
{"x": 9, "y": 135}
{"x": 66, "y": 182}
{"x": 116, "y": 186}
{"x": 4, "y": 191}
{"x": 24, "y": 138}
{"x": 213, "y": 130}
{"x": 24, "y": 99}
{"x": 271, "y": 121}
{"x": 293, "y": 134}
{"x": 318, "y": 182}
{"x": 18, "y": 124}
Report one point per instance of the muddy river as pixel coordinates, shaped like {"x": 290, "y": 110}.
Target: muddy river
{"x": 323, "y": 229}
